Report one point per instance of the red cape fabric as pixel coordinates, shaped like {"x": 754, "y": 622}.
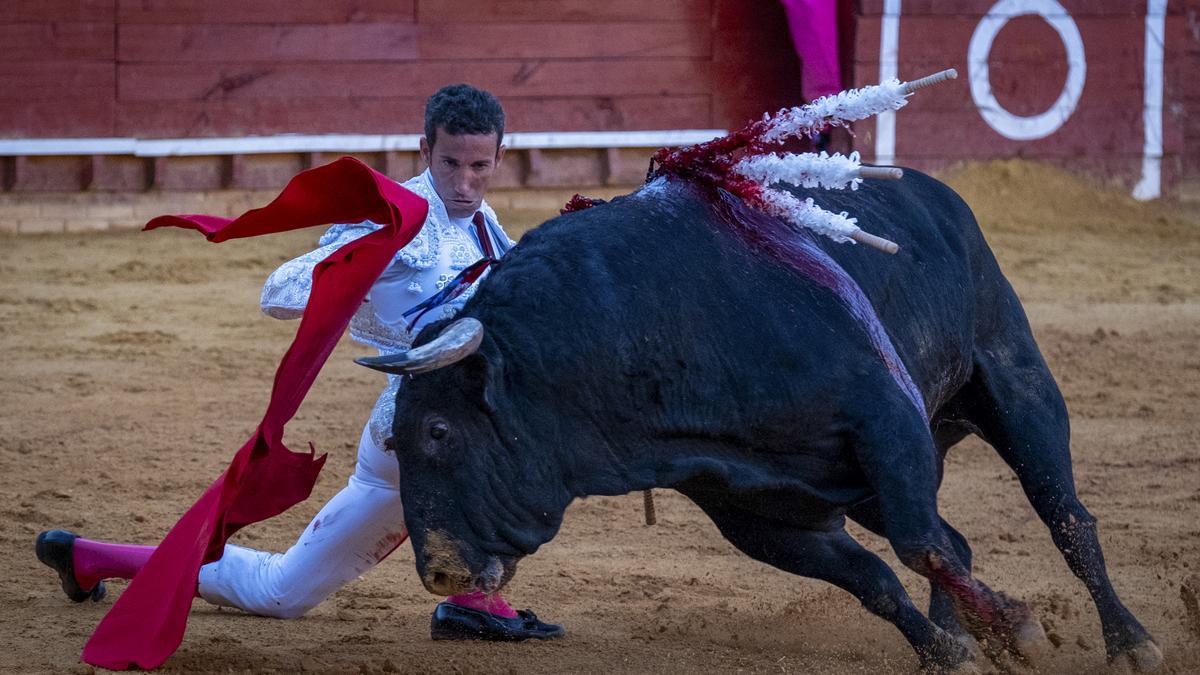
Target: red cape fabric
{"x": 146, "y": 624}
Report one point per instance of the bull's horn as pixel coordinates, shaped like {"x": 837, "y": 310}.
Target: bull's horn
{"x": 455, "y": 342}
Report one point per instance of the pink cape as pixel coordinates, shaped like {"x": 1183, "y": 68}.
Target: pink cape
{"x": 814, "y": 28}
{"x": 265, "y": 478}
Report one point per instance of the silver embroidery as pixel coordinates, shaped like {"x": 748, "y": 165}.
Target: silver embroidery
{"x": 286, "y": 291}
{"x": 460, "y": 256}
{"x": 380, "y": 424}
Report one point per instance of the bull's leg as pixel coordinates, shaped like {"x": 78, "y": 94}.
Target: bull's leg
{"x": 834, "y": 556}
{"x": 900, "y": 461}
{"x": 1017, "y": 407}
{"x": 941, "y": 608}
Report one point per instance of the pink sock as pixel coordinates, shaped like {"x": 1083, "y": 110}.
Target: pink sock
{"x": 477, "y": 599}
{"x": 96, "y": 561}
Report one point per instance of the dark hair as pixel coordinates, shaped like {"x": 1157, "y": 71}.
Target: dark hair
{"x": 463, "y": 109}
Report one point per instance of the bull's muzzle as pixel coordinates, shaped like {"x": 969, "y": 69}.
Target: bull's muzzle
{"x": 492, "y": 577}
{"x": 446, "y": 572}
{"x": 444, "y": 582}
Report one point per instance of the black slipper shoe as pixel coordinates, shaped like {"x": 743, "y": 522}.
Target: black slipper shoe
{"x": 452, "y": 622}
{"x": 55, "y": 548}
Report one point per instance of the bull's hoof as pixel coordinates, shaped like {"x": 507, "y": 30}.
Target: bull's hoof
{"x": 1013, "y": 640}
{"x": 1029, "y": 643}
{"x": 1140, "y": 658}
{"x": 947, "y": 654}
{"x": 972, "y": 646}
{"x": 1025, "y": 650}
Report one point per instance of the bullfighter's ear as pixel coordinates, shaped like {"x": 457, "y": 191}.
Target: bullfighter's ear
{"x": 482, "y": 378}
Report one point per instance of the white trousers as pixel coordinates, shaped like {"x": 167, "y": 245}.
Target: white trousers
{"x": 356, "y": 529}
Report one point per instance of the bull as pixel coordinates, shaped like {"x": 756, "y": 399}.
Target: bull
{"x": 676, "y": 338}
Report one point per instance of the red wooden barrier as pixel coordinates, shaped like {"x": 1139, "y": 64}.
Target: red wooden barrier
{"x": 194, "y": 68}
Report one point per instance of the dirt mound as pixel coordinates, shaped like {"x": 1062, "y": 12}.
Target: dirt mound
{"x": 1061, "y": 236}
{"x": 1014, "y": 195}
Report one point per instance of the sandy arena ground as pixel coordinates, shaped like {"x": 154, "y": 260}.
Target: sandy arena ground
{"x": 135, "y": 364}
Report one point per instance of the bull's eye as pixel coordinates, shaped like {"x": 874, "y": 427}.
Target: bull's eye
{"x": 438, "y": 430}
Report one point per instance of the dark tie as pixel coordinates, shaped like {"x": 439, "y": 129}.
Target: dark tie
{"x": 464, "y": 279}
{"x": 481, "y": 231}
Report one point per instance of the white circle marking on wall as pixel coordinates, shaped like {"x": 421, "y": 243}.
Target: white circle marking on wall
{"x": 1004, "y": 122}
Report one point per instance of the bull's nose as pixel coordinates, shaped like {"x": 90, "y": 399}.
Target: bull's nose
{"x": 440, "y": 583}
{"x": 492, "y": 576}
{"x": 444, "y": 572}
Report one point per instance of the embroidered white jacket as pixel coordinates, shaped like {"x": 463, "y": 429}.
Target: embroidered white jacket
{"x": 430, "y": 261}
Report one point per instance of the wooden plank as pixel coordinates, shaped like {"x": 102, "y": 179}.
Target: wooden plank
{"x": 1026, "y": 37}
{"x": 741, "y": 16}
{"x": 637, "y": 11}
{"x": 964, "y": 134}
{"x": 18, "y": 11}
{"x": 399, "y": 41}
{"x": 116, "y": 173}
{"x": 189, "y": 173}
{"x": 745, "y": 93}
{"x": 506, "y": 40}
{"x": 267, "y": 42}
{"x": 250, "y": 117}
{"x": 755, "y": 63}
{"x": 23, "y": 118}
{"x": 264, "y": 11}
{"x": 400, "y": 115}
{"x": 68, "y": 82}
{"x": 620, "y": 113}
{"x": 52, "y": 174}
{"x": 54, "y": 41}
{"x": 1107, "y": 84}
{"x": 585, "y": 77}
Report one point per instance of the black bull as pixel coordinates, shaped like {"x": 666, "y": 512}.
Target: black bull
{"x": 675, "y": 338}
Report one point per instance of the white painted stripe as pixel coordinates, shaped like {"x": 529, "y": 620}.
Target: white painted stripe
{"x": 256, "y": 145}
{"x": 251, "y": 145}
{"x": 1150, "y": 185}
{"x": 610, "y": 139}
{"x": 889, "y": 46}
{"x": 66, "y": 146}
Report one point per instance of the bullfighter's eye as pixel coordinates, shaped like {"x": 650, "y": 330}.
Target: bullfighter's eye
{"x": 438, "y": 430}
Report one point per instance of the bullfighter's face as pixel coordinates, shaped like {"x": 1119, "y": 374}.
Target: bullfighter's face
{"x": 473, "y": 503}
{"x": 461, "y": 167}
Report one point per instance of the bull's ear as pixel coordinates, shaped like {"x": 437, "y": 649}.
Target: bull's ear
{"x": 482, "y": 378}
